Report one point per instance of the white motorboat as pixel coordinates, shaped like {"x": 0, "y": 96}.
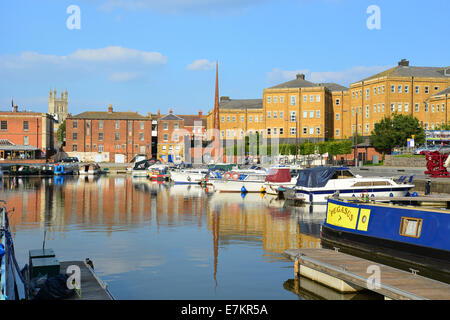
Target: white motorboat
{"x": 188, "y": 176}
{"x": 279, "y": 179}
{"x": 315, "y": 185}
{"x": 240, "y": 182}
{"x": 90, "y": 169}
{"x": 140, "y": 169}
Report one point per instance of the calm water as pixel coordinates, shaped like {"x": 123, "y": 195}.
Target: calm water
{"x": 154, "y": 241}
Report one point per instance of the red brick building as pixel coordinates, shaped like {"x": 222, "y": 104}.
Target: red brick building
{"x": 177, "y": 135}
{"x": 108, "y": 136}
{"x": 26, "y": 135}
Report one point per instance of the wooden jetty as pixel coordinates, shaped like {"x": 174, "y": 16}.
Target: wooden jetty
{"x": 346, "y": 273}
{"x": 92, "y": 287}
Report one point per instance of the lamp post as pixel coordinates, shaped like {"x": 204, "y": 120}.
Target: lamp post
{"x": 426, "y": 124}
{"x": 356, "y": 140}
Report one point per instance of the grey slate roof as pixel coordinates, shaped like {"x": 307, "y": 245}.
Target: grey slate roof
{"x": 296, "y": 83}
{"x": 333, "y": 86}
{"x": 411, "y": 71}
{"x": 241, "y": 104}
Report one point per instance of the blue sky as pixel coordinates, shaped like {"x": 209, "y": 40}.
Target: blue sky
{"x": 145, "y": 55}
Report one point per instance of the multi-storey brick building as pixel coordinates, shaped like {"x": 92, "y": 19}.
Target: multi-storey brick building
{"x": 403, "y": 90}
{"x": 300, "y": 110}
{"x": 109, "y": 136}
{"x": 26, "y": 135}
{"x": 237, "y": 117}
{"x": 176, "y": 136}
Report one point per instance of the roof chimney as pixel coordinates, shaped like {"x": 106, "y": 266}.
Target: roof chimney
{"x": 15, "y": 108}
{"x": 200, "y": 113}
{"x": 404, "y": 63}
{"x": 110, "y": 109}
{"x": 224, "y": 98}
{"x": 171, "y": 111}
{"x": 301, "y": 76}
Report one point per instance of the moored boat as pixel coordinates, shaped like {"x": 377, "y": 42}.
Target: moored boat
{"x": 140, "y": 169}
{"x": 240, "y": 182}
{"x": 315, "y": 185}
{"x": 188, "y": 176}
{"x": 90, "y": 169}
{"x": 65, "y": 169}
{"x": 278, "y": 180}
{"x": 406, "y": 236}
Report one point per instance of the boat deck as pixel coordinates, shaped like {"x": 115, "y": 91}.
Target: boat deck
{"x": 421, "y": 200}
{"x": 393, "y": 284}
{"x": 92, "y": 288}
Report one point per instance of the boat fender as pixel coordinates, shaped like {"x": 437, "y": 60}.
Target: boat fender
{"x": 227, "y": 175}
{"x": 415, "y": 194}
{"x": 2, "y": 250}
{"x": 243, "y": 190}
{"x": 391, "y": 194}
{"x": 263, "y": 189}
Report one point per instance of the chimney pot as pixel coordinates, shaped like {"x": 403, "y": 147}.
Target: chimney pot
{"x": 301, "y": 76}
{"x": 110, "y": 109}
{"x": 15, "y": 108}
{"x": 171, "y": 111}
{"x": 200, "y": 113}
{"x": 224, "y": 98}
{"x": 403, "y": 62}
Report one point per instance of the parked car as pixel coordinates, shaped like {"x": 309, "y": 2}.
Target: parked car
{"x": 430, "y": 148}
{"x": 70, "y": 159}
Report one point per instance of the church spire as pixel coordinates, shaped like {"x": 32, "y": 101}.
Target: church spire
{"x": 216, "y": 100}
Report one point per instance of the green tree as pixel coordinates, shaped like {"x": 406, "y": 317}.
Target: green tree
{"x": 444, "y": 126}
{"x": 394, "y": 131}
{"x": 61, "y": 132}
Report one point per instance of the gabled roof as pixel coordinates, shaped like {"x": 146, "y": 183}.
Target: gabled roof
{"x": 296, "y": 83}
{"x": 170, "y": 117}
{"x": 102, "y": 115}
{"x": 189, "y": 120}
{"x": 411, "y": 71}
{"x": 241, "y": 104}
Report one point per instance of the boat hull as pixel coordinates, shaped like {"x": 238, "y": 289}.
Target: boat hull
{"x": 384, "y": 235}
{"x": 236, "y": 186}
{"x": 186, "y": 178}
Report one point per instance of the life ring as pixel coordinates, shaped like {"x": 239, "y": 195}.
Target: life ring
{"x": 235, "y": 176}
{"x": 227, "y": 175}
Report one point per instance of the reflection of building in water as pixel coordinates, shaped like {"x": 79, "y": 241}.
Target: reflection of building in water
{"x": 108, "y": 201}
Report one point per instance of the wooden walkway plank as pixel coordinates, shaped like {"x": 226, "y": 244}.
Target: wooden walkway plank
{"x": 92, "y": 288}
{"x": 394, "y": 283}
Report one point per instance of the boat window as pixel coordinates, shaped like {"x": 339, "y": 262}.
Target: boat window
{"x": 363, "y": 184}
{"x": 410, "y": 227}
{"x": 342, "y": 174}
{"x": 381, "y": 183}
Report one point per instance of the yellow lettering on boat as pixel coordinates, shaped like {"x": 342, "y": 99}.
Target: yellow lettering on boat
{"x": 364, "y": 216}
{"x": 342, "y": 216}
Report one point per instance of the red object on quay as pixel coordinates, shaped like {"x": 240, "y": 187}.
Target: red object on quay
{"x": 435, "y": 164}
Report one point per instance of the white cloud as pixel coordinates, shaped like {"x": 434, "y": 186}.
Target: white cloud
{"x": 118, "y": 54}
{"x": 116, "y": 63}
{"x": 201, "y": 64}
{"x": 345, "y": 77}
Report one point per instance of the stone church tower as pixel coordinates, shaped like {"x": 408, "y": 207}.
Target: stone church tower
{"x": 58, "y": 106}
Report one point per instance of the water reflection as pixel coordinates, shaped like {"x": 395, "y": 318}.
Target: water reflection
{"x": 134, "y": 229}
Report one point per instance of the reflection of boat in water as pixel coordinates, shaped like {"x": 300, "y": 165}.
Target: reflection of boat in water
{"x": 311, "y": 290}
{"x": 315, "y": 185}
{"x": 411, "y": 237}
{"x": 273, "y": 201}
{"x": 250, "y": 200}
{"x": 186, "y": 190}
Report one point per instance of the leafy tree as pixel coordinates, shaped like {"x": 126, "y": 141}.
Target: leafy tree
{"x": 394, "y": 131}
{"x": 61, "y": 132}
{"x": 444, "y": 126}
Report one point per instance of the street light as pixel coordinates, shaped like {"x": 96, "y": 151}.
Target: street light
{"x": 426, "y": 123}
